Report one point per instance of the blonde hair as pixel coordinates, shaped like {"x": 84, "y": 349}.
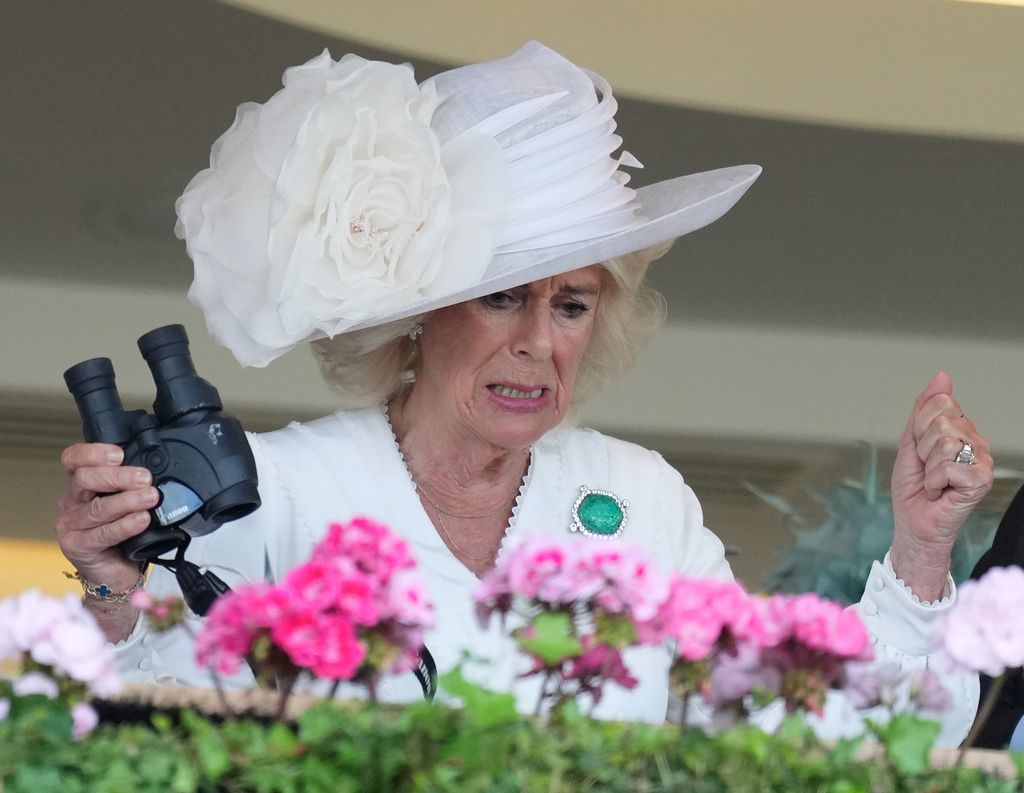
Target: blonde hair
{"x": 367, "y": 367}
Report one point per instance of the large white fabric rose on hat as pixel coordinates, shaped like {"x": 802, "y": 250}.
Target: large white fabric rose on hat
{"x": 332, "y": 203}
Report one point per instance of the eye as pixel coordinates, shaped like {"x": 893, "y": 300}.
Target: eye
{"x": 574, "y": 309}
{"x": 499, "y": 300}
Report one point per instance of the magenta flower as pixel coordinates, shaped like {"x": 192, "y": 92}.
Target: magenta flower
{"x": 360, "y": 589}
{"x": 984, "y": 631}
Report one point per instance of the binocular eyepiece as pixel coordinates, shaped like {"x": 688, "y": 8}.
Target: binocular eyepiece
{"x": 198, "y": 455}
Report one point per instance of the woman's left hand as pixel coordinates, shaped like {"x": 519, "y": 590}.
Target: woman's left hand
{"x": 932, "y": 494}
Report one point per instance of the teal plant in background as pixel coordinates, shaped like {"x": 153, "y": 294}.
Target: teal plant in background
{"x": 833, "y": 560}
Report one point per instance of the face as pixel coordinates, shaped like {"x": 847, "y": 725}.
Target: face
{"x": 502, "y": 367}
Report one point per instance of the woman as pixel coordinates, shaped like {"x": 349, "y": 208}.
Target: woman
{"x": 468, "y": 259}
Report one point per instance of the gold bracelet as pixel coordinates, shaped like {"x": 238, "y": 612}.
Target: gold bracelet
{"x": 104, "y": 593}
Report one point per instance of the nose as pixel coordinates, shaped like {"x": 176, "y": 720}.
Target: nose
{"x": 534, "y": 334}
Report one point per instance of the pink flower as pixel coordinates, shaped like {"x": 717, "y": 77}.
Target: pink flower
{"x": 410, "y": 604}
{"x": 867, "y": 685}
{"x": 298, "y": 634}
{"x": 738, "y": 673}
{"x": 928, "y": 691}
{"x": 84, "y": 719}
{"x": 361, "y": 600}
{"x": 339, "y": 653}
{"x": 598, "y": 664}
{"x": 316, "y": 583}
{"x": 358, "y": 590}
{"x": 533, "y": 564}
{"x": 35, "y": 683}
{"x": 984, "y": 631}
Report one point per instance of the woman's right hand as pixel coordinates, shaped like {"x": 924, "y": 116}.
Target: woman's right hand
{"x": 102, "y": 504}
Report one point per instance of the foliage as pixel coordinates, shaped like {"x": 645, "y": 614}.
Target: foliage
{"x": 424, "y": 747}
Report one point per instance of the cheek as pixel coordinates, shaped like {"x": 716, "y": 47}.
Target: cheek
{"x": 571, "y": 355}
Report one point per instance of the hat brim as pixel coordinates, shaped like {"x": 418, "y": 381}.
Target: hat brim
{"x": 673, "y": 208}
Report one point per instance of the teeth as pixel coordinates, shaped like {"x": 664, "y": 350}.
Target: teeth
{"x": 505, "y": 391}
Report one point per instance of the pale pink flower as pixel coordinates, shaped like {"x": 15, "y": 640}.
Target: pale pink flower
{"x": 984, "y": 631}
{"x": 408, "y": 599}
{"x": 866, "y": 685}
{"x": 84, "y": 719}
{"x": 35, "y": 683}
{"x": 532, "y": 564}
{"x": 928, "y": 691}
{"x": 737, "y": 673}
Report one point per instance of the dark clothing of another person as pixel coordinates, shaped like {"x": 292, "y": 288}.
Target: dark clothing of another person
{"x": 1007, "y": 548}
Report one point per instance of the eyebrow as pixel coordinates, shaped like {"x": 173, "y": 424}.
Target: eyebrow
{"x": 579, "y": 290}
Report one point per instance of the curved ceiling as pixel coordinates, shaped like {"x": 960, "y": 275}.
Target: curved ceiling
{"x": 925, "y": 66}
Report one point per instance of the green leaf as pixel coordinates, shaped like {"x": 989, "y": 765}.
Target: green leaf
{"x": 484, "y": 707}
{"x": 908, "y": 741}
{"x": 551, "y": 637}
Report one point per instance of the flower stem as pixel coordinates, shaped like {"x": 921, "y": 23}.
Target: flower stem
{"x": 218, "y": 684}
{"x": 983, "y": 713}
{"x": 286, "y": 692}
{"x": 543, "y": 692}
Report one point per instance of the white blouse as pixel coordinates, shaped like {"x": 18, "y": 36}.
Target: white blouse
{"x": 348, "y": 464}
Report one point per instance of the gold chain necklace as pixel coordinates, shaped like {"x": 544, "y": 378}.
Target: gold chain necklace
{"x": 455, "y": 546}
{"x": 501, "y": 508}
{"x": 441, "y": 511}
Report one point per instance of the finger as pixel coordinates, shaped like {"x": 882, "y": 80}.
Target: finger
{"x": 941, "y": 383}
{"x": 86, "y": 482}
{"x": 82, "y": 547}
{"x": 947, "y": 433}
{"x": 939, "y": 405}
{"x": 101, "y": 510}
{"x": 972, "y": 481}
{"x": 81, "y": 455}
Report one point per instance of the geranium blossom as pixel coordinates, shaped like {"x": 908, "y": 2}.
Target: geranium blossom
{"x": 60, "y": 641}
{"x": 359, "y": 588}
{"x": 602, "y": 589}
{"x": 984, "y": 631}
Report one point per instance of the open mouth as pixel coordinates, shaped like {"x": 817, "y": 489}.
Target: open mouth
{"x": 515, "y": 393}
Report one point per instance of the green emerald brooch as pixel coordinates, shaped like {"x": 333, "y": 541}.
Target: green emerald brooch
{"x": 598, "y": 513}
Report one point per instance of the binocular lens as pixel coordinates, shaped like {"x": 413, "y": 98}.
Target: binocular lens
{"x": 179, "y": 390}
{"x": 92, "y": 385}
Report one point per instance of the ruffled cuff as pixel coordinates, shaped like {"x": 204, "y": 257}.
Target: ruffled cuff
{"x": 898, "y": 617}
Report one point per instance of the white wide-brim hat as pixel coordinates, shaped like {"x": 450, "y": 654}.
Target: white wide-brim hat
{"x": 356, "y": 197}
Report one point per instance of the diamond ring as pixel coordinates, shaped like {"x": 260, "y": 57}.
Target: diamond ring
{"x": 965, "y": 455}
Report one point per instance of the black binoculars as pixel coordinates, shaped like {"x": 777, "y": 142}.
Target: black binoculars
{"x": 199, "y": 456}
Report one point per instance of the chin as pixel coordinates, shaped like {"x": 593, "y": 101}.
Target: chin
{"x": 519, "y": 431}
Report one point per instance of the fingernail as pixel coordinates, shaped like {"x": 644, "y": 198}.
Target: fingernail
{"x": 142, "y": 477}
{"x": 115, "y": 457}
